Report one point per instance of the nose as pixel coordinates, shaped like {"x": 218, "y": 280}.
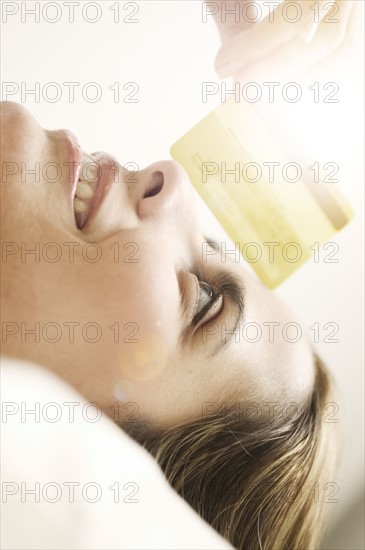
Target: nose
{"x": 163, "y": 190}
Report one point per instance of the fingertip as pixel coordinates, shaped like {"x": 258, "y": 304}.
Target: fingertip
{"x": 226, "y": 70}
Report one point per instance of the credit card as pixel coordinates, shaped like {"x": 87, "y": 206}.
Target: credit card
{"x": 276, "y": 211}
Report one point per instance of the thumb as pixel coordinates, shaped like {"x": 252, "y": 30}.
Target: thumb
{"x": 259, "y": 41}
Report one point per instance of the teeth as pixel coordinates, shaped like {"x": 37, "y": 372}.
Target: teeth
{"x": 84, "y": 190}
{"x": 89, "y": 170}
{"x": 79, "y": 206}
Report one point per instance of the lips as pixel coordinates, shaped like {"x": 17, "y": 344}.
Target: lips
{"x": 98, "y": 172}
{"x": 92, "y": 179}
{"x": 74, "y": 155}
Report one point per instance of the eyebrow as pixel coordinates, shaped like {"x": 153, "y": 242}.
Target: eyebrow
{"x": 234, "y": 289}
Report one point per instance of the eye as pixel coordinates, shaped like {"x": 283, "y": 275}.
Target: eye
{"x": 209, "y": 301}
{"x": 205, "y": 296}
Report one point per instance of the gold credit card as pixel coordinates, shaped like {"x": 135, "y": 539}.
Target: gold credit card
{"x": 275, "y": 212}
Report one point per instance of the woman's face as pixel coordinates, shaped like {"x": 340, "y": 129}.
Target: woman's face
{"x": 109, "y": 305}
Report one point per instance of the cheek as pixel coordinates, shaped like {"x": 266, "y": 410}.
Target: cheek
{"x": 154, "y": 307}
{"x": 147, "y": 307}
{"x": 142, "y": 284}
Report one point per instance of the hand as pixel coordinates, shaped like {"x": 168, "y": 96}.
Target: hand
{"x": 291, "y": 38}
{"x": 228, "y": 23}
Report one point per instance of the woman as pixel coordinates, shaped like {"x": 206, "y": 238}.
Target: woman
{"x": 106, "y": 282}
{"x": 125, "y": 327}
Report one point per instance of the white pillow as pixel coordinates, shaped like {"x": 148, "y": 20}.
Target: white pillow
{"x": 48, "y": 452}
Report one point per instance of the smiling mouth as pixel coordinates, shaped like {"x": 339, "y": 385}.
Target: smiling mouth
{"x": 89, "y": 177}
{"x": 97, "y": 173}
{"x": 93, "y": 179}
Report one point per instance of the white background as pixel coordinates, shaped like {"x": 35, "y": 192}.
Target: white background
{"x": 169, "y": 53}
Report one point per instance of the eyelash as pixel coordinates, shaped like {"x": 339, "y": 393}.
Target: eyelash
{"x": 216, "y": 295}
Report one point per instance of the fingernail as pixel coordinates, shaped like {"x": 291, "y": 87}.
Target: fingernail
{"x": 227, "y": 69}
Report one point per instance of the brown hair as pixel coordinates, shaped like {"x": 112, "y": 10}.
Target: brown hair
{"x": 258, "y": 483}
